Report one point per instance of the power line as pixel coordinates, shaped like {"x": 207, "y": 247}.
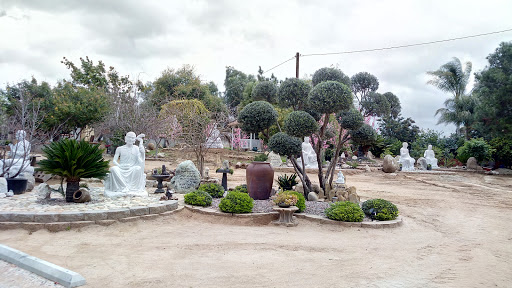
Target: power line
{"x": 279, "y": 65}
{"x": 405, "y": 45}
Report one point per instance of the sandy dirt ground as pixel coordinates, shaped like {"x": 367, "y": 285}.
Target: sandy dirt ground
{"x": 456, "y": 232}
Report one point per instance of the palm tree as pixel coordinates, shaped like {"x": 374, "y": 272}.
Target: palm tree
{"x": 453, "y": 78}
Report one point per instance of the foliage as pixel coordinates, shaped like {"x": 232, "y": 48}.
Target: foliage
{"x": 286, "y": 198}
{"x": 264, "y": 91}
{"x": 257, "y": 116}
{"x": 236, "y": 202}
{"x": 198, "y": 198}
{"x": 380, "y": 209}
{"x": 364, "y": 83}
{"x": 235, "y": 82}
{"x": 459, "y": 111}
{"x": 399, "y": 128}
{"x": 293, "y": 93}
{"x": 301, "y": 200}
{"x": 284, "y": 144}
{"x": 262, "y": 157}
{"x": 330, "y": 74}
{"x": 425, "y": 138}
{"x": 364, "y": 136}
{"x": 502, "y": 150}
{"x": 287, "y": 182}
{"x": 330, "y": 96}
{"x": 477, "y": 148}
{"x": 282, "y": 114}
{"x": 394, "y": 104}
{"x": 73, "y": 160}
{"x": 345, "y": 211}
{"x": 241, "y": 188}
{"x": 350, "y": 119}
{"x": 300, "y": 124}
{"x": 215, "y": 190}
{"x": 493, "y": 89}
{"x": 375, "y": 104}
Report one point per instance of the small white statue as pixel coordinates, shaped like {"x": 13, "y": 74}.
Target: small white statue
{"x": 406, "y": 160}
{"x": 127, "y": 177}
{"x": 341, "y": 178}
{"x": 430, "y": 156}
{"x": 309, "y": 155}
{"x": 20, "y": 157}
{"x": 214, "y": 140}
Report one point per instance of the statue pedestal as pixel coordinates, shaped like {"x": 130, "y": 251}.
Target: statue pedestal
{"x": 286, "y": 216}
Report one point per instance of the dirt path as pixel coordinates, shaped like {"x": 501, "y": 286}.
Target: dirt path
{"x": 457, "y": 232}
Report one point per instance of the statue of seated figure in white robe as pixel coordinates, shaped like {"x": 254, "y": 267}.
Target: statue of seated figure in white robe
{"x": 430, "y": 156}
{"x": 309, "y": 155}
{"x": 127, "y": 177}
{"x": 19, "y": 162}
{"x": 406, "y": 160}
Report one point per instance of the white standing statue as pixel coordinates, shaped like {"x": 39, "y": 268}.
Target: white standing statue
{"x": 341, "y": 178}
{"x": 406, "y": 160}
{"x": 127, "y": 177}
{"x": 20, "y": 158}
{"x": 430, "y": 156}
{"x": 214, "y": 140}
{"x": 309, "y": 155}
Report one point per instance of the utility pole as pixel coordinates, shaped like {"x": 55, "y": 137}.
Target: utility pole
{"x": 297, "y": 65}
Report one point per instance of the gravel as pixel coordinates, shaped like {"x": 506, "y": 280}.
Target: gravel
{"x": 264, "y": 206}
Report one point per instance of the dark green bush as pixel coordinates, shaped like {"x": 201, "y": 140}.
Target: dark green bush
{"x": 345, "y": 211}
{"x": 365, "y": 135}
{"x": 285, "y": 145}
{"x": 380, "y": 209}
{"x": 477, "y": 148}
{"x": 300, "y": 124}
{"x": 350, "y": 119}
{"x": 215, "y": 190}
{"x": 241, "y": 188}
{"x": 236, "y": 202}
{"x": 330, "y": 74}
{"x": 293, "y": 92}
{"x": 261, "y": 157}
{"x": 287, "y": 183}
{"x": 301, "y": 203}
{"x": 502, "y": 150}
{"x": 198, "y": 198}
{"x": 264, "y": 91}
{"x": 330, "y": 96}
{"x": 257, "y": 116}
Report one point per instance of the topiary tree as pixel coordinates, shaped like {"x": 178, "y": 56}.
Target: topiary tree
{"x": 375, "y": 104}
{"x": 264, "y": 91}
{"x": 293, "y": 92}
{"x": 330, "y": 74}
{"x": 257, "y": 117}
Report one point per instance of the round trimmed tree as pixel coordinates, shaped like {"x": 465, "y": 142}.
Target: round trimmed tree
{"x": 330, "y": 74}
{"x": 330, "y": 96}
{"x": 300, "y": 124}
{"x": 264, "y": 91}
{"x": 350, "y": 119}
{"x": 257, "y": 117}
{"x": 293, "y": 92}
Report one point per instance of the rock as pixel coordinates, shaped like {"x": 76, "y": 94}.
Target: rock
{"x": 367, "y": 168}
{"x": 352, "y": 195}
{"x": 151, "y": 183}
{"x": 345, "y": 166}
{"x": 354, "y": 157}
{"x": 44, "y": 191}
{"x": 238, "y": 165}
{"x": 312, "y": 196}
{"x": 186, "y": 178}
{"x": 2, "y": 195}
{"x": 370, "y": 155}
{"x": 160, "y": 155}
{"x": 422, "y": 163}
{"x": 9, "y": 194}
{"x": 3, "y": 185}
{"x": 151, "y": 146}
{"x": 472, "y": 164}
{"x": 299, "y": 188}
{"x": 393, "y": 174}
{"x": 274, "y": 159}
{"x": 389, "y": 164}
{"x": 31, "y": 181}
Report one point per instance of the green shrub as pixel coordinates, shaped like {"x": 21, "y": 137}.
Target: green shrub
{"x": 293, "y": 92}
{"x": 198, "y": 198}
{"x": 502, "y": 150}
{"x": 330, "y": 74}
{"x": 330, "y": 96}
{"x": 215, "y": 190}
{"x": 257, "y": 116}
{"x": 380, "y": 209}
{"x": 477, "y": 148}
{"x": 350, "y": 119}
{"x": 241, "y": 188}
{"x": 345, "y": 211}
{"x": 287, "y": 183}
{"x": 261, "y": 157}
{"x": 300, "y": 124}
{"x": 236, "y": 202}
{"x": 264, "y": 91}
{"x": 284, "y": 144}
{"x": 301, "y": 202}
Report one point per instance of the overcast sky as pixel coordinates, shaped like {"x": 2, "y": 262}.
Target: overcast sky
{"x": 142, "y": 38}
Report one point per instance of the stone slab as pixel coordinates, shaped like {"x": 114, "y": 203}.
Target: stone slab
{"x": 106, "y": 222}
{"x": 57, "y": 226}
{"x": 149, "y": 217}
{"x": 129, "y": 219}
{"x": 158, "y": 208}
{"x": 10, "y": 225}
{"x": 81, "y": 224}
{"x": 5, "y": 216}
{"x": 95, "y": 215}
{"x": 33, "y": 226}
{"x": 139, "y": 210}
{"x": 71, "y": 216}
{"x": 22, "y": 217}
{"x": 118, "y": 213}
{"x": 46, "y": 217}
{"x": 48, "y": 270}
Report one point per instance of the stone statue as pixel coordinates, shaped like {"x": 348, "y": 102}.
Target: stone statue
{"x": 20, "y": 158}
{"x": 431, "y": 157}
{"x": 214, "y": 140}
{"x": 341, "y": 178}
{"x": 309, "y": 155}
{"x": 127, "y": 177}
{"x": 406, "y": 160}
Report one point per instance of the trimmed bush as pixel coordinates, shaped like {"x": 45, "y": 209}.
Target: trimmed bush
{"x": 350, "y": 119}
{"x": 477, "y": 148}
{"x": 236, "y": 202}
{"x": 198, "y": 198}
{"x": 215, "y": 190}
{"x": 300, "y": 124}
{"x": 285, "y": 145}
{"x": 380, "y": 209}
{"x": 345, "y": 211}
{"x": 293, "y": 92}
{"x": 365, "y": 135}
{"x": 264, "y": 91}
{"x": 257, "y": 116}
{"x": 330, "y": 96}
{"x": 241, "y": 188}
{"x": 301, "y": 202}
{"x": 330, "y": 74}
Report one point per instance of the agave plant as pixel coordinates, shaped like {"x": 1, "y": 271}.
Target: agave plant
{"x": 73, "y": 160}
{"x": 286, "y": 183}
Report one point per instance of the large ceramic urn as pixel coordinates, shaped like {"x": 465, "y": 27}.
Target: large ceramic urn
{"x": 259, "y": 177}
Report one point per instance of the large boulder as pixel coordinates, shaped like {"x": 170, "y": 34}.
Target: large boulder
{"x": 186, "y": 179}
{"x": 344, "y": 194}
{"x": 44, "y": 191}
{"x": 312, "y": 196}
{"x": 389, "y": 164}
{"x": 472, "y": 164}
{"x": 422, "y": 163}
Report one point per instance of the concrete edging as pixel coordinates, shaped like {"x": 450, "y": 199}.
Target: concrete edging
{"x": 41, "y": 267}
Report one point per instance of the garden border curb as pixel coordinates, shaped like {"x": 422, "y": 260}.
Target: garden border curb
{"x": 41, "y": 267}
{"x": 55, "y": 221}
{"x": 314, "y": 218}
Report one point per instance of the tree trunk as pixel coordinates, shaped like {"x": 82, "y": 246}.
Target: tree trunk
{"x": 71, "y": 187}
{"x": 305, "y": 184}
